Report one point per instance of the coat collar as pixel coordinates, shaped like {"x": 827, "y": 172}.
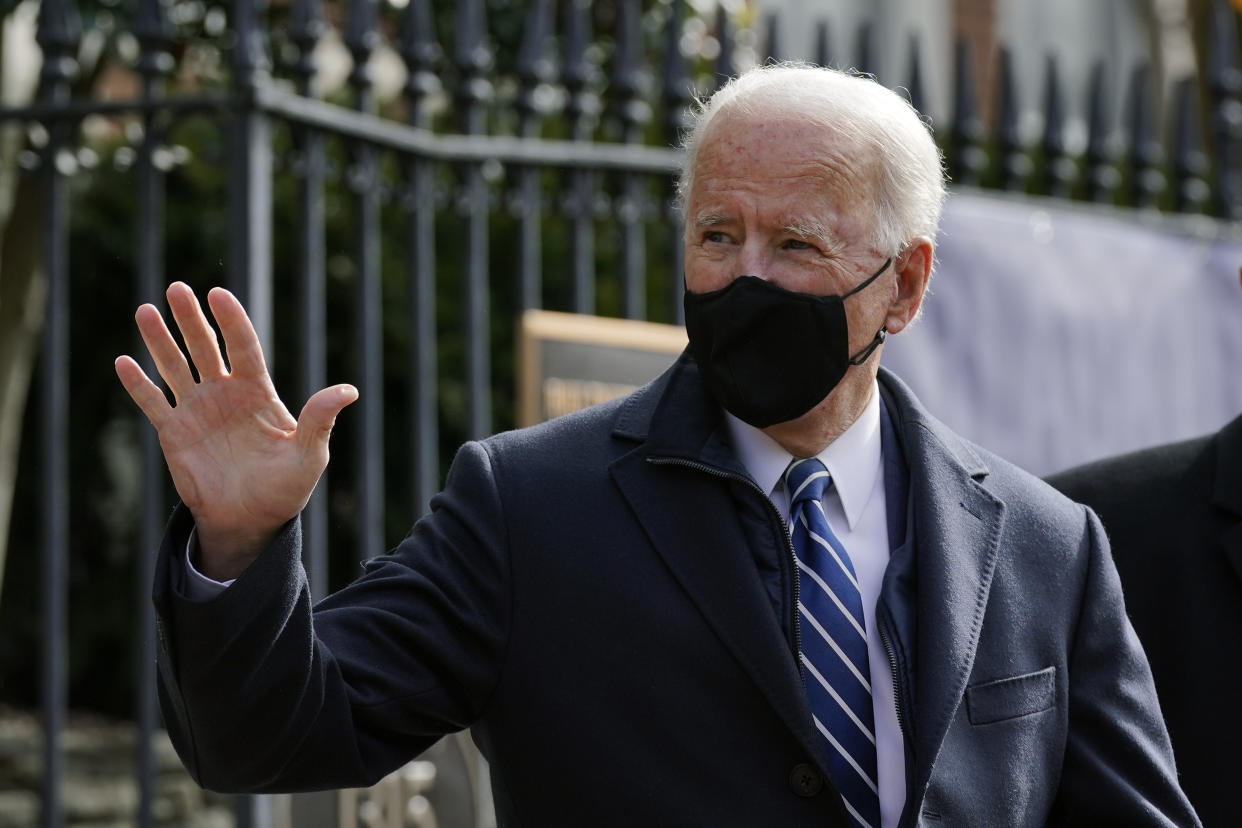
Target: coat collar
{"x": 957, "y": 526}
{"x": 681, "y": 457}
{"x": 957, "y": 529}
{"x": 1227, "y": 491}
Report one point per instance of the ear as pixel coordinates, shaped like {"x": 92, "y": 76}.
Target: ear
{"x": 913, "y": 268}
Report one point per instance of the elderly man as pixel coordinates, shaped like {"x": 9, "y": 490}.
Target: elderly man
{"x": 767, "y": 589}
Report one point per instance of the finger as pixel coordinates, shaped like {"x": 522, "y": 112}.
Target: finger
{"x": 169, "y": 360}
{"x": 145, "y": 393}
{"x": 245, "y": 352}
{"x": 200, "y": 337}
{"x": 319, "y": 414}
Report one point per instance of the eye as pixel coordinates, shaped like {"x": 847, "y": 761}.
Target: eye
{"x": 715, "y": 236}
{"x": 798, "y": 244}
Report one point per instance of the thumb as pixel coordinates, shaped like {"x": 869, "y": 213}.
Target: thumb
{"x": 319, "y": 414}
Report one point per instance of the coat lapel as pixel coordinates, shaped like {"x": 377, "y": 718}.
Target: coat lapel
{"x": 1227, "y": 494}
{"x": 711, "y": 561}
{"x": 677, "y": 430}
{"x": 957, "y": 526}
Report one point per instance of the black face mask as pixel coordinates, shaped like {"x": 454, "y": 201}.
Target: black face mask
{"x": 767, "y": 354}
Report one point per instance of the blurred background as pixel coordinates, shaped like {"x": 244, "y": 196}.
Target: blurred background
{"x": 388, "y": 185}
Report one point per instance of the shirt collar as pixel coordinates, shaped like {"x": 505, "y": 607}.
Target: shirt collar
{"x": 853, "y": 459}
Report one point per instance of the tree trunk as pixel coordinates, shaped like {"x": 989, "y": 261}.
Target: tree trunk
{"x": 22, "y": 294}
{"x": 22, "y": 287}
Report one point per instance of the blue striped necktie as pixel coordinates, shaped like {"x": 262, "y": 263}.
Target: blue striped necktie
{"x": 834, "y": 644}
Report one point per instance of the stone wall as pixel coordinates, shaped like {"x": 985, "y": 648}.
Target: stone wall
{"x": 100, "y": 789}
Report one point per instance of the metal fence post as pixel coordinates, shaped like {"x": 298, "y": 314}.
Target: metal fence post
{"x": 361, "y": 39}
{"x": 474, "y": 59}
{"x": 534, "y": 70}
{"x": 421, "y": 53}
{"x": 305, "y": 28}
{"x": 678, "y": 95}
{"x": 581, "y": 106}
{"x": 632, "y": 112}
{"x": 1225, "y": 92}
{"x": 57, "y": 36}
{"x": 249, "y": 273}
{"x": 250, "y": 174}
{"x": 154, "y": 63}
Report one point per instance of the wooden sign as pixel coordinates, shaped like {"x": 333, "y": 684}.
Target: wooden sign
{"x": 570, "y": 361}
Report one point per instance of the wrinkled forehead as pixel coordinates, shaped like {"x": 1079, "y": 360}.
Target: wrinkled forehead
{"x": 780, "y": 152}
{"x": 778, "y": 133}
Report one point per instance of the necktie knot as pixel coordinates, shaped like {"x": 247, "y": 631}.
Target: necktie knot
{"x": 806, "y": 480}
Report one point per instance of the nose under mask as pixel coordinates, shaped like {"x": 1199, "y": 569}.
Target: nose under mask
{"x": 769, "y": 355}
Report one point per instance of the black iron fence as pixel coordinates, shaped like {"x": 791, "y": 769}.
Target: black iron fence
{"x": 526, "y": 159}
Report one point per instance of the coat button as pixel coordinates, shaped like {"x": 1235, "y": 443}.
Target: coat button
{"x": 805, "y": 780}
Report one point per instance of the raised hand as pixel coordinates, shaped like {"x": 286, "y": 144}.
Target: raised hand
{"x": 240, "y": 462}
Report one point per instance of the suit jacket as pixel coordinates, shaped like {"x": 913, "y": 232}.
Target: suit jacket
{"x": 1174, "y": 516}
{"x": 586, "y": 596}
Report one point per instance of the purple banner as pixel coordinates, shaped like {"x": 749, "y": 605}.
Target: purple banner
{"x": 1054, "y": 334}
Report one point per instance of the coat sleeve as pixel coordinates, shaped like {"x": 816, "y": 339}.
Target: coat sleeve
{"x": 1119, "y": 767}
{"x": 262, "y": 693}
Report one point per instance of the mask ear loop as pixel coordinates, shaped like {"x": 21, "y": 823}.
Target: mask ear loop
{"x": 870, "y": 278}
{"x": 865, "y": 354}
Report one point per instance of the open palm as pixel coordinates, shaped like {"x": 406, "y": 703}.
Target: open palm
{"x": 240, "y": 461}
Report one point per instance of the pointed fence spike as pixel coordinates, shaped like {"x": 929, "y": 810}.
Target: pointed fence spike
{"x": 575, "y": 67}
{"x": 676, "y": 90}
{"x": 535, "y": 67}
{"x": 306, "y": 26}
{"x": 57, "y": 33}
{"x": 1013, "y": 165}
{"x": 154, "y": 37}
{"x": 1225, "y": 93}
{"x": 361, "y": 40}
{"x": 473, "y": 57}
{"x": 914, "y": 90}
{"x": 627, "y": 65}
{"x": 967, "y": 159}
{"x": 823, "y": 44}
{"x": 249, "y": 59}
{"x": 577, "y": 70}
{"x": 866, "y": 48}
{"x": 772, "y": 50}
{"x": 305, "y": 19}
{"x": 1191, "y": 192}
{"x": 471, "y": 51}
{"x": 1147, "y": 181}
{"x": 1058, "y": 171}
{"x": 629, "y": 79}
{"x": 1102, "y": 176}
{"x": 534, "y": 58}
{"x": 724, "y": 36}
{"x": 59, "y": 26}
{"x": 678, "y": 96}
{"x": 417, "y": 44}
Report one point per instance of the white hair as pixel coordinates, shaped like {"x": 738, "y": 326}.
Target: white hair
{"x": 909, "y": 176}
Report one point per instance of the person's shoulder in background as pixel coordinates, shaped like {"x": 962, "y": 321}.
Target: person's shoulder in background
{"x": 1139, "y": 484}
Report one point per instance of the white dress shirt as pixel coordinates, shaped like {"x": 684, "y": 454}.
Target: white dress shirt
{"x": 857, "y": 512}
{"x": 197, "y": 586}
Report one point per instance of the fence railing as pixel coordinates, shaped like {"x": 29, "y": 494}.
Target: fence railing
{"x": 527, "y": 163}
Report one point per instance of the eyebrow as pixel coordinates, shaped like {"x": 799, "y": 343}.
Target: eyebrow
{"x": 709, "y": 220}
{"x": 809, "y": 229}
